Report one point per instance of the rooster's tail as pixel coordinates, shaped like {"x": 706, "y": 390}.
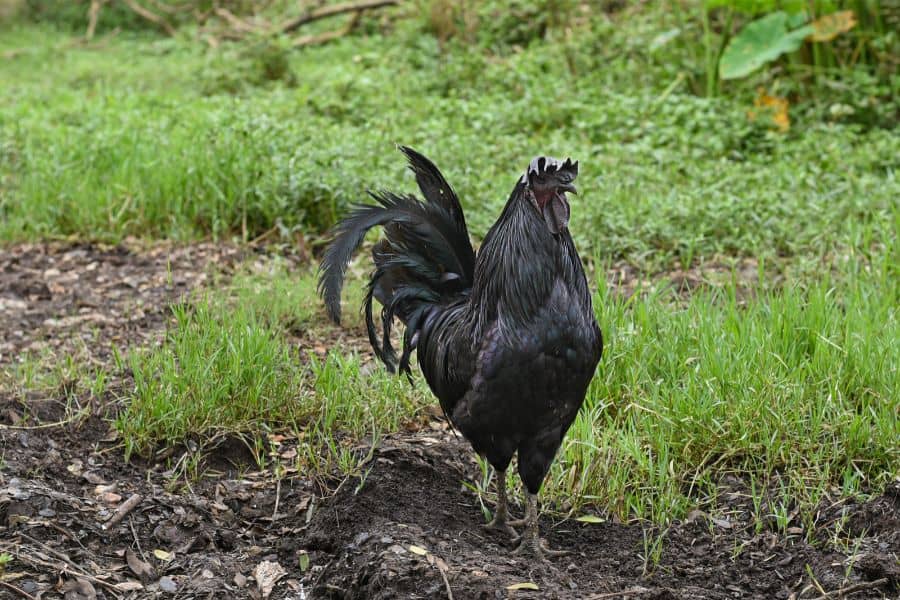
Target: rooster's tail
{"x": 425, "y": 260}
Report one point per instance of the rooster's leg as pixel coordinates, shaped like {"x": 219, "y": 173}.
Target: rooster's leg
{"x": 501, "y": 513}
{"x": 531, "y": 542}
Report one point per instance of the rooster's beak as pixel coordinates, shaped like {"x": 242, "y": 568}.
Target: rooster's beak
{"x": 568, "y": 187}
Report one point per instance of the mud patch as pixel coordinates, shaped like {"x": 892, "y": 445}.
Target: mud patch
{"x": 370, "y": 539}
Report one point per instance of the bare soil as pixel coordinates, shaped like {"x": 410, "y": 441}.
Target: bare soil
{"x": 406, "y": 526}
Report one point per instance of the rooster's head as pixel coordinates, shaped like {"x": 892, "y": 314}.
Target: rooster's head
{"x": 548, "y": 179}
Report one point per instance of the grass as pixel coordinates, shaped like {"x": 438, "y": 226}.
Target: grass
{"x": 791, "y": 384}
{"x": 799, "y": 387}
{"x": 227, "y": 366}
{"x": 794, "y": 391}
{"x": 142, "y": 138}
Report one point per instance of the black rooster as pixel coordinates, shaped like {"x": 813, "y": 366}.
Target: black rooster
{"x": 507, "y": 340}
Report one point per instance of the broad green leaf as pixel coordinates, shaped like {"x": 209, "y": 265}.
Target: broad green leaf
{"x": 758, "y": 43}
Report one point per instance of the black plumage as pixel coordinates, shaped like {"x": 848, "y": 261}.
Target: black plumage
{"x": 507, "y": 339}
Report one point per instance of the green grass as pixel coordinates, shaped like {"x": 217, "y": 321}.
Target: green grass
{"x": 797, "y": 390}
{"x": 141, "y": 137}
{"x": 227, "y": 366}
{"x": 800, "y": 387}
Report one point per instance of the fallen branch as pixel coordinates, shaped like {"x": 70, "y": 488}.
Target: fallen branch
{"x": 93, "y": 14}
{"x": 852, "y": 589}
{"x": 16, "y": 590}
{"x": 321, "y": 38}
{"x": 66, "y": 566}
{"x": 150, "y": 16}
{"x": 334, "y": 9}
{"x": 236, "y": 22}
{"x": 124, "y": 508}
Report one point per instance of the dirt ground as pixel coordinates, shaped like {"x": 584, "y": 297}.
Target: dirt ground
{"x": 78, "y": 522}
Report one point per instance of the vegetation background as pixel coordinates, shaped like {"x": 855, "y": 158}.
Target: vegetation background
{"x": 749, "y": 148}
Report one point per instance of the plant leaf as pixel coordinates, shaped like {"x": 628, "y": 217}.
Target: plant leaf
{"x": 527, "y": 585}
{"x": 759, "y": 42}
{"x": 756, "y": 7}
{"x": 830, "y": 26}
{"x": 303, "y": 562}
{"x": 590, "y": 519}
{"x": 773, "y": 106}
{"x": 162, "y": 555}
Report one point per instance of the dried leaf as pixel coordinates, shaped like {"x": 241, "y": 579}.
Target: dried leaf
{"x": 79, "y": 589}
{"x": 828, "y": 27}
{"x": 129, "y": 586}
{"x": 267, "y": 574}
{"x": 110, "y": 498}
{"x": 775, "y": 107}
{"x": 591, "y": 519}
{"x": 418, "y": 550}
{"x": 527, "y": 585}
{"x": 163, "y": 555}
{"x": 140, "y": 568}
{"x": 441, "y": 565}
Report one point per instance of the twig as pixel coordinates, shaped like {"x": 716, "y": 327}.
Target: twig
{"x": 16, "y": 590}
{"x": 321, "y": 38}
{"x": 65, "y": 421}
{"x": 65, "y": 568}
{"x": 124, "y": 508}
{"x": 236, "y": 23}
{"x": 277, "y": 498}
{"x": 446, "y": 583}
{"x": 58, "y": 528}
{"x": 334, "y": 9}
{"x": 150, "y": 16}
{"x": 93, "y": 14}
{"x": 852, "y": 589}
{"x": 136, "y": 540}
{"x": 622, "y": 594}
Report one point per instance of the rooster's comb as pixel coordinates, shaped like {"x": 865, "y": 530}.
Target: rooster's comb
{"x": 549, "y": 165}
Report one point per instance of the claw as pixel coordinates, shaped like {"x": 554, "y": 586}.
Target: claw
{"x": 502, "y": 525}
{"x": 530, "y": 542}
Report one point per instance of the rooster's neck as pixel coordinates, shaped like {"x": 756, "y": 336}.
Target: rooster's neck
{"x": 520, "y": 262}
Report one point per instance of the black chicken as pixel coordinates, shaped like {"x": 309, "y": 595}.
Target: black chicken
{"x": 507, "y": 340}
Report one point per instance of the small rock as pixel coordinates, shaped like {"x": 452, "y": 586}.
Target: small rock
{"x": 167, "y": 584}
{"x": 240, "y": 580}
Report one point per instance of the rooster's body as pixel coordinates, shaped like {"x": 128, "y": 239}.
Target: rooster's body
{"x": 507, "y": 341}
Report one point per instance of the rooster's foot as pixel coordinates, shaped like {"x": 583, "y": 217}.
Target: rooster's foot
{"x": 502, "y": 525}
{"x": 530, "y": 542}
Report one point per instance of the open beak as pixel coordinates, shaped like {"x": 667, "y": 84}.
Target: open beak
{"x": 568, "y": 187}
